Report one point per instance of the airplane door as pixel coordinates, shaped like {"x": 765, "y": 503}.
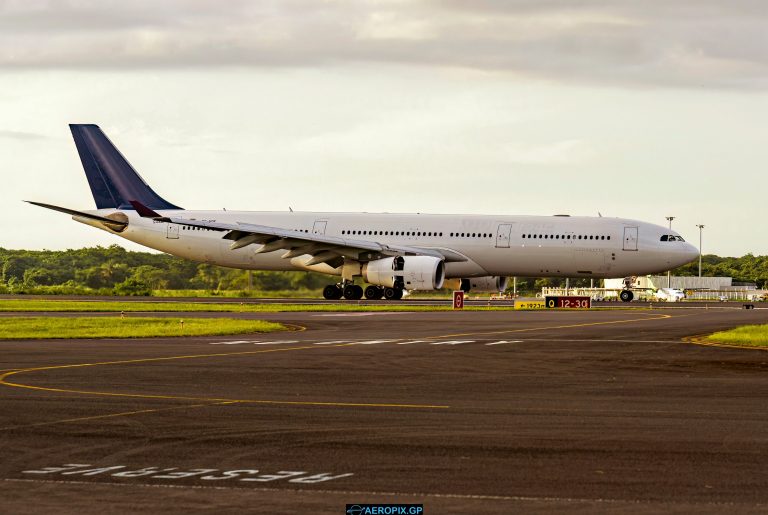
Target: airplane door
{"x": 502, "y": 235}
{"x": 319, "y": 227}
{"x": 173, "y": 232}
{"x": 630, "y": 238}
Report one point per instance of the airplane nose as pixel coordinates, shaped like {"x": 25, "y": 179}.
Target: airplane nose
{"x": 690, "y": 252}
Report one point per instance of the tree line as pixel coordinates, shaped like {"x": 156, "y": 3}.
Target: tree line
{"x": 115, "y": 271}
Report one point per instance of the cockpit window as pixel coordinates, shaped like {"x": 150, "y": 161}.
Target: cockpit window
{"x": 664, "y": 237}
{"x": 671, "y": 237}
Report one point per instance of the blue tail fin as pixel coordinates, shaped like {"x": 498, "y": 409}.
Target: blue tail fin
{"x": 113, "y": 181}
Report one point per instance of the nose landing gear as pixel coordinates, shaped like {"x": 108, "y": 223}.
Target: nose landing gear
{"x": 626, "y": 294}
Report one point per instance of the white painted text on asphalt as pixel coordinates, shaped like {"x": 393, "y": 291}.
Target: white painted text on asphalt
{"x": 249, "y": 475}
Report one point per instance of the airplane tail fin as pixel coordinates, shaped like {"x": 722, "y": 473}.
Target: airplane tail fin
{"x": 113, "y": 181}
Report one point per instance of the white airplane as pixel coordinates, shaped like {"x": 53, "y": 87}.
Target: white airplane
{"x": 391, "y": 252}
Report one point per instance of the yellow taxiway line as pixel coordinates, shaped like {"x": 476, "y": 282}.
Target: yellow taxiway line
{"x": 3, "y": 381}
{"x": 213, "y": 401}
{"x": 699, "y": 340}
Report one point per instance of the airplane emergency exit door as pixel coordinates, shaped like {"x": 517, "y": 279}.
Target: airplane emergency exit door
{"x": 630, "y": 238}
{"x": 502, "y": 235}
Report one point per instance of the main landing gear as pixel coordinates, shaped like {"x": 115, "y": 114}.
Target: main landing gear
{"x": 332, "y": 292}
{"x": 354, "y": 292}
{"x": 393, "y": 293}
{"x": 348, "y": 291}
{"x": 380, "y": 292}
{"x": 374, "y": 292}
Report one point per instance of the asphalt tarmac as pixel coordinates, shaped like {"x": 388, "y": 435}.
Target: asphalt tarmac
{"x": 469, "y": 412}
{"x": 481, "y": 299}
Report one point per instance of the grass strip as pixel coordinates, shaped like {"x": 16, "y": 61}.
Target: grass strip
{"x": 31, "y": 328}
{"x": 748, "y": 336}
{"x": 140, "y": 306}
{"x": 232, "y": 307}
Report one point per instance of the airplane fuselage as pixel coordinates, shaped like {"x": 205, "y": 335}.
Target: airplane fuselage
{"x": 391, "y": 252}
{"x": 495, "y": 245}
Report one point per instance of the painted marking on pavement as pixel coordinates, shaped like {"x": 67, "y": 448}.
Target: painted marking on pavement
{"x": 700, "y": 340}
{"x": 378, "y": 313}
{"x": 597, "y": 340}
{"x": 504, "y": 341}
{"x": 6, "y": 375}
{"x": 112, "y": 415}
{"x": 565, "y": 326}
{"x": 207, "y": 474}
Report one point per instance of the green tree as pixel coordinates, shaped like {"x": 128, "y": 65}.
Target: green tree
{"x": 150, "y": 275}
{"x": 133, "y": 286}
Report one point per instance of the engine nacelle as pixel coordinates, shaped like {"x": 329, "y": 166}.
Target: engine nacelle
{"x": 382, "y": 272}
{"x": 485, "y": 284}
{"x": 423, "y": 273}
{"x": 406, "y": 272}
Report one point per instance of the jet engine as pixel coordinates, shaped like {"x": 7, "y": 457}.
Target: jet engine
{"x": 406, "y": 272}
{"x": 488, "y": 283}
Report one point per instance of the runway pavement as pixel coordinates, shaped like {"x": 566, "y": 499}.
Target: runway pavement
{"x": 482, "y": 299}
{"x": 470, "y": 412}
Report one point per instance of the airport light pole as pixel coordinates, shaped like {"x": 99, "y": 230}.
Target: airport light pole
{"x": 700, "y": 226}
{"x": 669, "y": 272}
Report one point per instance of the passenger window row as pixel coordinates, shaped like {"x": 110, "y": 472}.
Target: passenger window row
{"x": 474, "y": 235}
{"x": 565, "y": 237}
{"x": 420, "y": 233}
{"x": 471, "y": 235}
{"x": 193, "y": 228}
{"x": 391, "y": 233}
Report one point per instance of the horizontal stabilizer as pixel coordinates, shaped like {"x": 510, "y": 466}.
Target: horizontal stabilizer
{"x": 143, "y": 210}
{"x": 107, "y": 221}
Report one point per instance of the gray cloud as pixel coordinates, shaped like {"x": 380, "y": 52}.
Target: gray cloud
{"x": 686, "y": 43}
{"x": 19, "y": 135}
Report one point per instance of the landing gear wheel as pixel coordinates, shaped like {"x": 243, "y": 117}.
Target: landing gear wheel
{"x": 332, "y": 292}
{"x": 626, "y": 296}
{"x": 393, "y": 293}
{"x": 353, "y": 292}
{"x": 374, "y": 293}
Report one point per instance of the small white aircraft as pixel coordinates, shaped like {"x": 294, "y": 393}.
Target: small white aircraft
{"x": 391, "y": 252}
{"x": 669, "y": 294}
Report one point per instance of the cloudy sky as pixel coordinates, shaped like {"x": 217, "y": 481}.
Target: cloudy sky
{"x": 639, "y": 109}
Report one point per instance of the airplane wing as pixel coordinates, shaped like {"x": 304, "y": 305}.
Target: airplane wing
{"x": 322, "y": 248}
